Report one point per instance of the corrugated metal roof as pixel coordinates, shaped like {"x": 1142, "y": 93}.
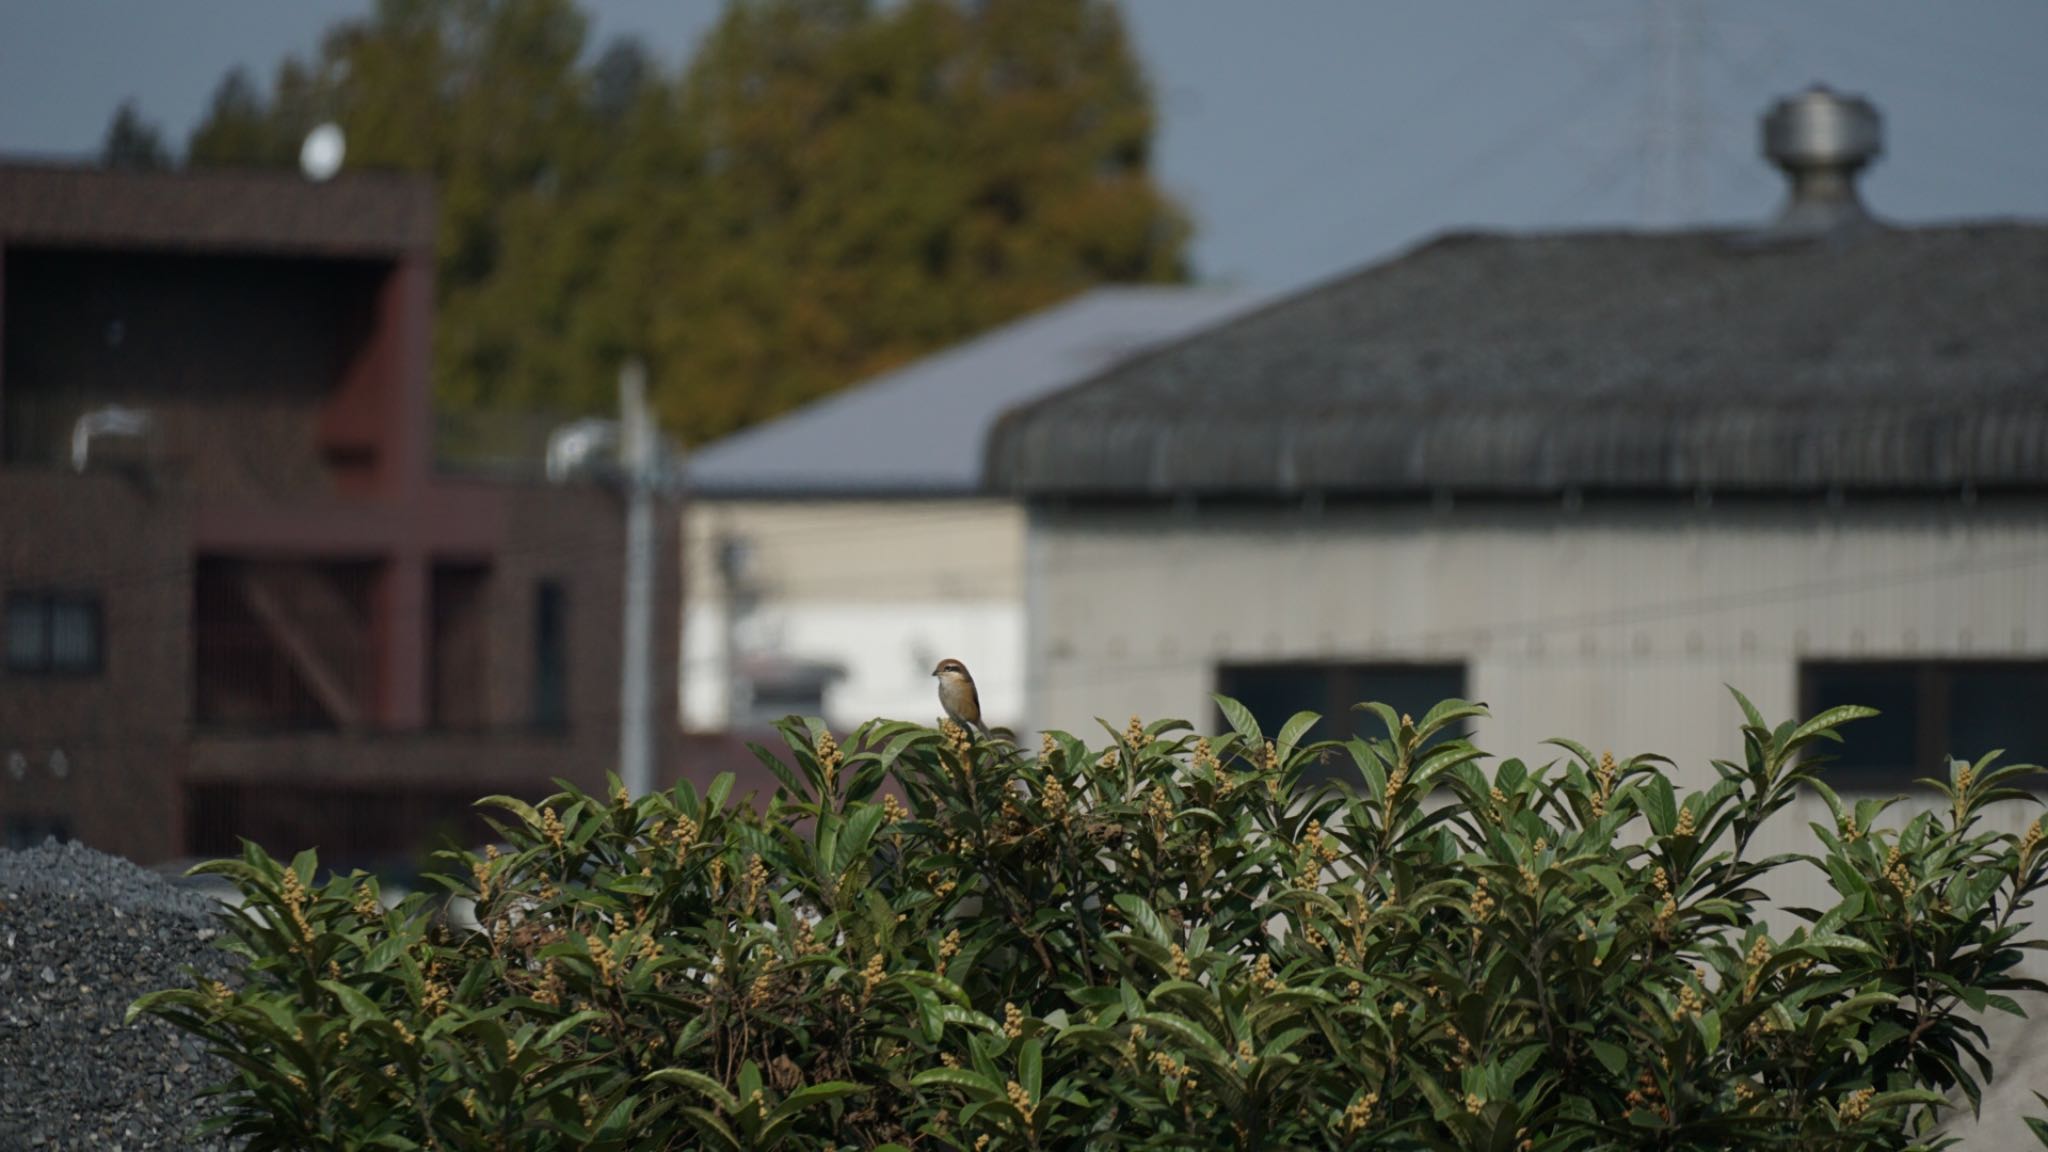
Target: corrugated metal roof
{"x": 1896, "y": 359}
{"x": 921, "y": 428}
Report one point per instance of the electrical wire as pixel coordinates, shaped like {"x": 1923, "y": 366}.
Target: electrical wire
{"x": 1519, "y": 135}
{"x": 1459, "y": 638}
{"x": 1474, "y": 73}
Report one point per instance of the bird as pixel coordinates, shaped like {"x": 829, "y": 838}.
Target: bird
{"x": 957, "y": 695}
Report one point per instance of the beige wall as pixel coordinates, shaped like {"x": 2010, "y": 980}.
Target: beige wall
{"x": 1615, "y": 626}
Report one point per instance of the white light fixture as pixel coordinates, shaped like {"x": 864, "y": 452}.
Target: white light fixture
{"x": 575, "y": 447}
{"x": 113, "y": 420}
{"x": 320, "y": 156}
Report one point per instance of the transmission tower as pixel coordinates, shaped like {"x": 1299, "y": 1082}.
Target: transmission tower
{"x": 1674, "y": 130}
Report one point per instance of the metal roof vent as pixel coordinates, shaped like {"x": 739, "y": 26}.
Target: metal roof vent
{"x": 1822, "y": 139}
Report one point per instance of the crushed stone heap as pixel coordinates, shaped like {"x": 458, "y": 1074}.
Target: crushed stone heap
{"x": 82, "y": 934}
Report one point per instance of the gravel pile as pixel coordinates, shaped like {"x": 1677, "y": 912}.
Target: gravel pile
{"x": 82, "y": 934}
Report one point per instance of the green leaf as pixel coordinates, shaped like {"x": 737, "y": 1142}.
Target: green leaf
{"x": 2038, "y": 1126}
{"x": 566, "y": 1025}
{"x": 1579, "y": 751}
{"x": 714, "y": 796}
{"x": 792, "y": 787}
{"x": 1827, "y": 721}
{"x": 699, "y": 1083}
{"x": 514, "y": 805}
{"x": 1611, "y": 1056}
{"x": 1031, "y": 1067}
{"x": 1826, "y": 941}
{"x": 967, "y": 1017}
{"x": 1143, "y": 918}
{"x": 812, "y": 1094}
{"x": 711, "y": 1126}
{"x": 973, "y": 1084}
{"x": 1240, "y": 720}
{"x": 620, "y": 1118}
{"x": 358, "y": 1006}
{"x": 160, "y": 1001}
{"x": 856, "y": 836}
{"x": 930, "y": 1021}
{"x": 1387, "y": 715}
{"x": 1445, "y": 714}
{"x": 1186, "y": 1031}
{"x": 1660, "y": 804}
{"x": 1292, "y": 732}
{"x": 1754, "y": 718}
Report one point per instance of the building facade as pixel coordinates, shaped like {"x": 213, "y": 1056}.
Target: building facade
{"x": 1586, "y": 478}
{"x": 1591, "y": 480}
{"x": 1620, "y": 622}
{"x": 239, "y": 599}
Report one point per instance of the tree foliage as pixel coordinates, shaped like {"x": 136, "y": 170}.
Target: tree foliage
{"x": 1161, "y": 942}
{"x": 133, "y": 142}
{"x": 828, "y": 187}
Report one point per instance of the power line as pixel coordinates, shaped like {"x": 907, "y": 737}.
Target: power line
{"x": 1474, "y": 72}
{"x": 1904, "y": 48}
{"x": 883, "y": 580}
{"x": 1517, "y": 136}
{"x": 1456, "y": 642}
{"x": 1460, "y": 640}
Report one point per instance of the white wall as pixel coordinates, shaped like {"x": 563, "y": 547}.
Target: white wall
{"x": 888, "y": 650}
{"x": 885, "y": 588}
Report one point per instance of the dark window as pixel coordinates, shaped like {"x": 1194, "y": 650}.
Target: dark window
{"x": 26, "y": 830}
{"x": 1274, "y": 692}
{"x": 774, "y": 687}
{"x": 57, "y": 633}
{"x": 550, "y": 656}
{"x": 772, "y": 700}
{"x": 458, "y": 648}
{"x": 1929, "y": 710}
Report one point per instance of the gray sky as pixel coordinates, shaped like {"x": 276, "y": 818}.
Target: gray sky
{"x": 1308, "y": 136}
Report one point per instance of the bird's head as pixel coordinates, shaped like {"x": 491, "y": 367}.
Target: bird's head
{"x": 951, "y": 669}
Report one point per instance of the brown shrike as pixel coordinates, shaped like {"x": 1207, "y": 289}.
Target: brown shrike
{"x": 957, "y": 695}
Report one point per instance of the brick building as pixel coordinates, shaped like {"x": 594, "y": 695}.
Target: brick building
{"x": 265, "y": 613}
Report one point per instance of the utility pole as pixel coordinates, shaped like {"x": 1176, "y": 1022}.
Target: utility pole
{"x": 732, "y": 572}
{"x": 641, "y": 458}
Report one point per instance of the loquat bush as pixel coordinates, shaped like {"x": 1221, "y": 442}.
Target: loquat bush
{"x": 924, "y": 940}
